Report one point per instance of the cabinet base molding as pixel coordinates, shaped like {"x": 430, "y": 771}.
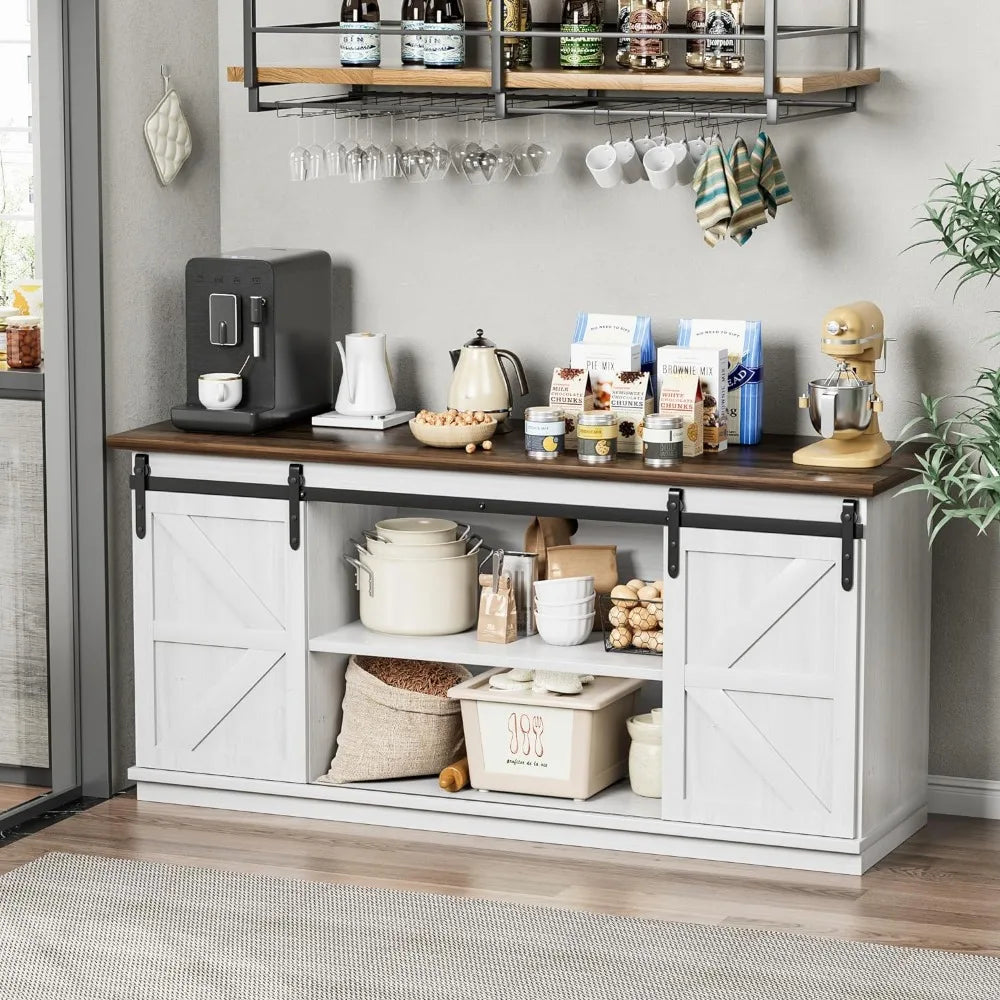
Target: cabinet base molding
{"x": 977, "y": 797}
{"x": 486, "y": 815}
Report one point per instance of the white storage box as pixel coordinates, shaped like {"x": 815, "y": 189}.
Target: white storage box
{"x": 567, "y": 746}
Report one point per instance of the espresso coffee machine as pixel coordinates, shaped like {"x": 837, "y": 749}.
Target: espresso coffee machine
{"x": 265, "y": 315}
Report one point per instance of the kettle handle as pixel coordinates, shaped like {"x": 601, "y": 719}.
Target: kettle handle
{"x": 347, "y": 376}
{"x": 522, "y": 379}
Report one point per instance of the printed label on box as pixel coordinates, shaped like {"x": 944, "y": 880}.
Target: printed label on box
{"x": 527, "y": 740}
{"x": 571, "y": 393}
{"x": 632, "y": 401}
{"x": 712, "y": 367}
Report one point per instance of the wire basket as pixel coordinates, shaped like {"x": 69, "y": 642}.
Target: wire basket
{"x": 623, "y": 623}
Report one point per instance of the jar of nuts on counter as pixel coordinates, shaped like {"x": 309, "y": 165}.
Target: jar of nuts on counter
{"x": 24, "y": 342}
{"x": 5, "y": 314}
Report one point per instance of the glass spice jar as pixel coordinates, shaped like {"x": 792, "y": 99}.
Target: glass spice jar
{"x": 6, "y": 312}
{"x": 663, "y": 441}
{"x": 544, "y": 432}
{"x": 24, "y": 342}
{"x": 597, "y": 437}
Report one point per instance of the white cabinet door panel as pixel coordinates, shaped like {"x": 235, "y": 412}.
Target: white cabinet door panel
{"x": 220, "y": 639}
{"x": 760, "y": 687}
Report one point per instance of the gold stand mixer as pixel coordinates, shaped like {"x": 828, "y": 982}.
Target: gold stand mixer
{"x": 844, "y": 407}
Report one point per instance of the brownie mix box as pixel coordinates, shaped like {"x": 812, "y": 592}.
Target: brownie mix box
{"x": 712, "y": 368}
{"x": 680, "y": 396}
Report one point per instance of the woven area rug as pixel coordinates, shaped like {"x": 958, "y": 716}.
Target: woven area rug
{"x": 95, "y": 929}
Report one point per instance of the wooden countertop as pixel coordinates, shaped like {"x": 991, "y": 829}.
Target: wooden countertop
{"x": 768, "y": 466}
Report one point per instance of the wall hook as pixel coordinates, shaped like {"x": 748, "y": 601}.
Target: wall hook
{"x": 165, "y": 73}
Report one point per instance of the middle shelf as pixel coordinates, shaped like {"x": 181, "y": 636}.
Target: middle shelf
{"x": 527, "y": 652}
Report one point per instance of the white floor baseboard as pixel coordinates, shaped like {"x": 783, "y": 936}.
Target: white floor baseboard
{"x": 963, "y": 796}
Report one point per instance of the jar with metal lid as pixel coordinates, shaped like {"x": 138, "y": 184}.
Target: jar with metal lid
{"x": 597, "y": 437}
{"x": 663, "y": 441}
{"x": 544, "y": 432}
{"x": 5, "y": 314}
{"x": 24, "y": 342}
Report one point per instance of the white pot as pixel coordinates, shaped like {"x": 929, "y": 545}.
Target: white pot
{"x": 417, "y": 597}
{"x": 417, "y": 530}
{"x": 439, "y": 550}
{"x": 645, "y": 756}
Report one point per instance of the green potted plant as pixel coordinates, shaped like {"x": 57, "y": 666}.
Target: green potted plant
{"x": 959, "y": 463}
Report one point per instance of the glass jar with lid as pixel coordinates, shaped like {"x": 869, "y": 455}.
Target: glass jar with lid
{"x": 24, "y": 342}
{"x": 597, "y": 437}
{"x": 6, "y": 312}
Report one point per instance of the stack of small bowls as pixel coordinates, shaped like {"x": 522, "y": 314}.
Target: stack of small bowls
{"x": 564, "y": 610}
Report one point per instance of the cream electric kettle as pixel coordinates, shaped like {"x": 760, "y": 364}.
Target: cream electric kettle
{"x": 480, "y": 381}
{"x": 366, "y": 385}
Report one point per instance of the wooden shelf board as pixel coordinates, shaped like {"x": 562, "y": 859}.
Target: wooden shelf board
{"x": 608, "y": 79}
{"x": 528, "y": 652}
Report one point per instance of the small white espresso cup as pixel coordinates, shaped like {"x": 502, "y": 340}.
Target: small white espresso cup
{"x": 661, "y": 167}
{"x": 220, "y": 390}
{"x": 685, "y": 163}
{"x": 603, "y": 164}
{"x": 630, "y": 160}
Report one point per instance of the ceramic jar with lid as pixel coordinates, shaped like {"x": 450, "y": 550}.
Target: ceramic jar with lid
{"x": 645, "y": 756}
{"x": 24, "y": 342}
{"x": 597, "y": 437}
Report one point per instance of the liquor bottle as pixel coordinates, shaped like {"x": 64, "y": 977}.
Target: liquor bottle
{"x": 724, "y": 55}
{"x": 365, "y": 47}
{"x": 524, "y": 49}
{"x": 583, "y": 17}
{"x": 412, "y": 46}
{"x": 624, "y": 12}
{"x": 696, "y": 25}
{"x": 511, "y": 22}
{"x": 648, "y": 17}
{"x": 443, "y": 49}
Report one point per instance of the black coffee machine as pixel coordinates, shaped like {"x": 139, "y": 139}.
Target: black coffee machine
{"x": 273, "y": 307}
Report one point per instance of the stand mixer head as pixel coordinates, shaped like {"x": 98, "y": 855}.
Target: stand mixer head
{"x": 844, "y": 407}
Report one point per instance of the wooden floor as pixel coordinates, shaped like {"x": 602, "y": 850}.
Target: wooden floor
{"x": 16, "y": 795}
{"x": 940, "y": 890}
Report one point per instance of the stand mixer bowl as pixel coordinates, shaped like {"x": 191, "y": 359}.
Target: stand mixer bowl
{"x": 844, "y": 409}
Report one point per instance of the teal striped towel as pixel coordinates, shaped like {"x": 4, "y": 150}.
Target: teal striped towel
{"x": 717, "y": 196}
{"x": 771, "y": 179}
{"x": 751, "y": 212}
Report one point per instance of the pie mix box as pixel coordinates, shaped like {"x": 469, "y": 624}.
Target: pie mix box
{"x": 680, "y": 396}
{"x": 711, "y": 365}
{"x": 632, "y": 402}
{"x": 605, "y": 344}
{"x": 743, "y": 343}
{"x": 572, "y": 393}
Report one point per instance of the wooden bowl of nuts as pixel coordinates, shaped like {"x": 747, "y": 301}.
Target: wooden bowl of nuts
{"x": 453, "y": 428}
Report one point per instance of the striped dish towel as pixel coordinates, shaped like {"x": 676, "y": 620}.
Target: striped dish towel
{"x": 716, "y": 195}
{"x": 751, "y": 212}
{"x": 771, "y": 179}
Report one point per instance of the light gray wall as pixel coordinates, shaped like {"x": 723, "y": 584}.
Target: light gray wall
{"x": 431, "y": 263}
{"x": 149, "y": 233}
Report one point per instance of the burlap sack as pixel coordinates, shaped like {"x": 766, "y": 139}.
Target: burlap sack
{"x": 390, "y": 733}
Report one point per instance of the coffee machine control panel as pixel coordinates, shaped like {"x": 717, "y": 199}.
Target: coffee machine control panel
{"x": 223, "y": 320}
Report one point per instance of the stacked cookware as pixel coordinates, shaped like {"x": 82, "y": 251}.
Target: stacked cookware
{"x": 417, "y": 576}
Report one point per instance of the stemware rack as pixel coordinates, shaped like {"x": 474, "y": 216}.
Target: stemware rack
{"x": 490, "y": 91}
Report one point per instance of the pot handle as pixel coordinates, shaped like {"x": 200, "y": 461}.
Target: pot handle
{"x": 827, "y": 414}
{"x": 464, "y": 533}
{"x": 486, "y": 558}
{"x": 476, "y": 544}
{"x": 358, "y": 566}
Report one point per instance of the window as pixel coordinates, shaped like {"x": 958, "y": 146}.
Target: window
{"x": 17, "y": 149}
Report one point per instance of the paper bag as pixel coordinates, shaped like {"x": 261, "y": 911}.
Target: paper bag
{"x": 497, "y": 613}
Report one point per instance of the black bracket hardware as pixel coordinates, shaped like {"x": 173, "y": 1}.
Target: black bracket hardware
{"x": 848, "y": 533}
{"x": 296, "y": 493}
{"x": 140, "y": 482}
{"x": 675, "y": 504}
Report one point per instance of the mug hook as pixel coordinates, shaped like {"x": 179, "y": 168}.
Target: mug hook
{"x": 165, "y": 73}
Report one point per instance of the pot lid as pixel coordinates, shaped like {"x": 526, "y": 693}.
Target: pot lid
{"x": 479, "y": 341}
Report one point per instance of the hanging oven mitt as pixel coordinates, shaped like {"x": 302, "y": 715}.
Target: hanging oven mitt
{"x": 716, "y": 194}
{"x": 168, "y": 135}
{"x": 771, "y": 179}
{"x": 751, "y": 212}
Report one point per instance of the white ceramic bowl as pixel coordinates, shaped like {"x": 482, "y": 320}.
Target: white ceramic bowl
{"x": 571, "y": 609}
{"x": 564, "y": 631}
{"x": 417, "y": 530}
{"x": 570, "y": 588}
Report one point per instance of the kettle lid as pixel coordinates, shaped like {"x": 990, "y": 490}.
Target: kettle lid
{"x": 479, "y": 341}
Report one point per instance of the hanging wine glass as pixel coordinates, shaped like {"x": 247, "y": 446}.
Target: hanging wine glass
{"x": 374, "y": 166}
{"x": 476, "y": 166}
{"x": 334, "y": 155}
{"x": 440, "y": 157}
{"x": 355, "y": 158}
{"x": 315, "y": 166}
{"x": 502, "y": 160}
{"x": 551, "y": 153}
{"x": 460, "y": 146}
{"x": 298, "y": 158}
{"x": 392, "y": 155}
{"x": 416, "y": 160}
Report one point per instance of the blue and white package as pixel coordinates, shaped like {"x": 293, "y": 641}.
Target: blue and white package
{"x": 742, "y": 340}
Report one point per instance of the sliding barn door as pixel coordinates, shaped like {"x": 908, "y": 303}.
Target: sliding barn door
{"x": 760, "y": 684}
{"x": 220, "y": 639}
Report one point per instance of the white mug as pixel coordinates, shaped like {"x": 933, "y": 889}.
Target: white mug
{"x": 684, "y": 161}
{"x": 697, "y": 148}
{"x": 220, "y": 390}
{"x": 603, "y": 164}
{"x": 661, "y": 167}
{"x": 629, "y": 159}
{"x": 644, "y": 145}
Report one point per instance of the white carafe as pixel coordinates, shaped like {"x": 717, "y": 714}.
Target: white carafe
{"x": 366, "y": 384}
